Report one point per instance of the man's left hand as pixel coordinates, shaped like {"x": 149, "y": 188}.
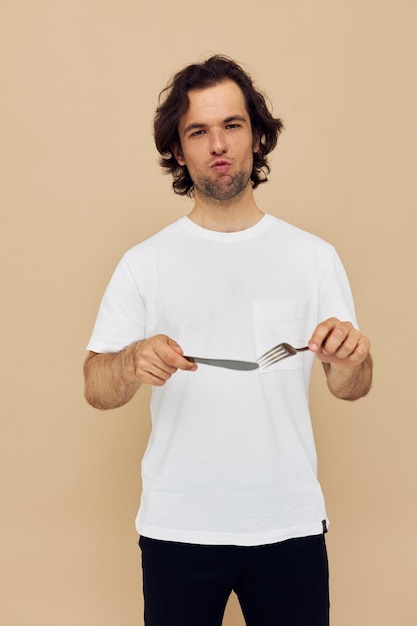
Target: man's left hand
{"x": 339, "y": 343}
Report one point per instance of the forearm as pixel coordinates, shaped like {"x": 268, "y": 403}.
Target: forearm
{"x": 349, "y": 383}
{"x": 110, "y": 379}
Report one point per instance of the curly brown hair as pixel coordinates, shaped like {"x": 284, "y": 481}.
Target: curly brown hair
{"x": 174, "y": 102}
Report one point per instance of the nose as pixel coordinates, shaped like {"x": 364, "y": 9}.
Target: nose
{"x": 218, "y": 141}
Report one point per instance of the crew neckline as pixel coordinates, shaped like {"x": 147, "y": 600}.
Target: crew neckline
{"x": 216, "y": 235}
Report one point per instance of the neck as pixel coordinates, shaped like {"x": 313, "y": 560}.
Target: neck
{"x": 231, "y": 216}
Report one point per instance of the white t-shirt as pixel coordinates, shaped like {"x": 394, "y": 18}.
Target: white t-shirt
{"x": 231, "y": 457}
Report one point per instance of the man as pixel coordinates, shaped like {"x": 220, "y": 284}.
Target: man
{"x": 230, "y": 498}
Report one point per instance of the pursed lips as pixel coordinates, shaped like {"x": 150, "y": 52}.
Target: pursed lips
{"x": 220, "y": 165}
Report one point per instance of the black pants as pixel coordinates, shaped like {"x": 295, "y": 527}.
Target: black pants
{"x": 282, "y": 584}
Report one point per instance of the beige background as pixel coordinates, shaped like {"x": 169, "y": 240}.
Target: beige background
{"x": 80, "y": 184}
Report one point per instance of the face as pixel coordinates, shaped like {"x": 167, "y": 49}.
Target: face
{"x": 217, "y": 142}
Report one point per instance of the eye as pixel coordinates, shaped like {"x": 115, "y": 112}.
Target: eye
{"x": 233, "y": 126}
{"x": 197, "y": 133}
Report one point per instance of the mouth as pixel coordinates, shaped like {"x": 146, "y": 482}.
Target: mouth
{"x": 221, "y": 166}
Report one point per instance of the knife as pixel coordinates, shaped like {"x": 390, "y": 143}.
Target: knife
{"x": 229, "y": 364}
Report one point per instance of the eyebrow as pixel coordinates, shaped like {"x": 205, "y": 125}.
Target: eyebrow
{"x": 228, "y": 120}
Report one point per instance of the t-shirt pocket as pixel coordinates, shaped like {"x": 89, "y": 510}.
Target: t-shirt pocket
{"x": 278, "y": 322}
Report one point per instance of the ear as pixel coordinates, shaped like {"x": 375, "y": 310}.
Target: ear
{"x": 256, "y": 140}
{"x": 177, "y": 152}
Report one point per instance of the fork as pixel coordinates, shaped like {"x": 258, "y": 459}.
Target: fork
{"x": 278, "y": 353}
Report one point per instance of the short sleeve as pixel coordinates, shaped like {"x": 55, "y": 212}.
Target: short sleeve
{"x": 121, "y": 316}
{"x": 335, "y": 298}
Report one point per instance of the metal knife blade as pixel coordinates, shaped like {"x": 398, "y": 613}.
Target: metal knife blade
{"x": 228, "y": 364}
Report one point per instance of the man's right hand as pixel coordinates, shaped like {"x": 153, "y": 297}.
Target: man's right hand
{"x": 112, "y": 378}
{"x": 157, "y": 358}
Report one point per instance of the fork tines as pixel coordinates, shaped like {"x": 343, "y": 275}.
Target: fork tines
{"x": 279, "y": 352}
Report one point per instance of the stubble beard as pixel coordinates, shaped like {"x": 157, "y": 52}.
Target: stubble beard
{"x": 222, "y": 190}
